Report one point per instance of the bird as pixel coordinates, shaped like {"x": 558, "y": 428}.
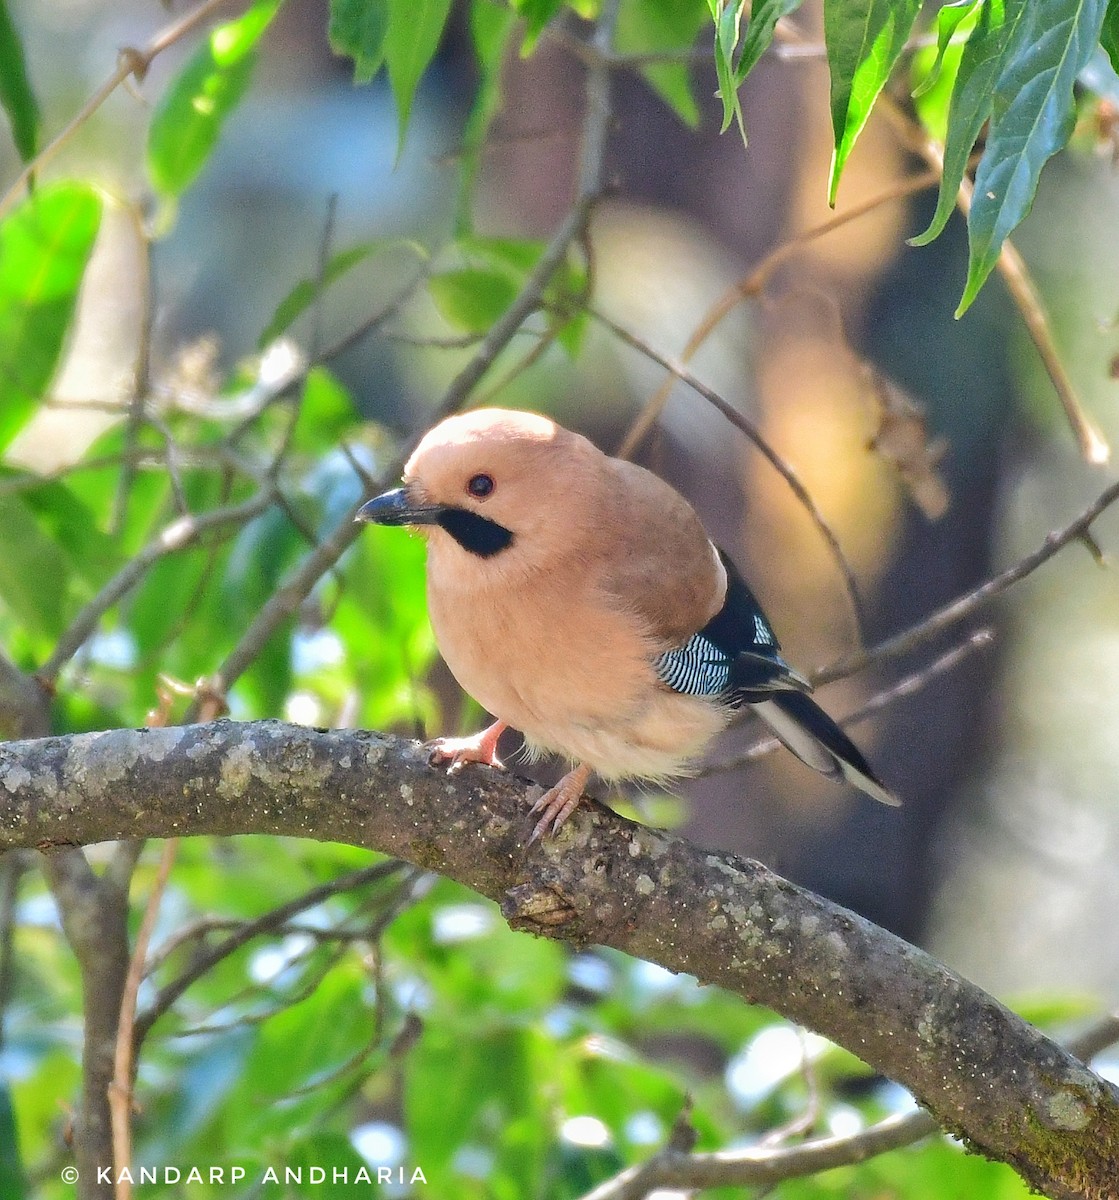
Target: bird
{"x": 578, "y": 598}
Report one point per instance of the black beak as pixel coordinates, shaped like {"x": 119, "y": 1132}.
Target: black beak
{"x": 397, "y": 508}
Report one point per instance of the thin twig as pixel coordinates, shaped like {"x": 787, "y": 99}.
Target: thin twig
{"x": 209, "y": 958}
{"x": 752, "y": 285}
{"x": 120, "y": 1089}
{"x": 904, "y": 687}
{"x": 963, "y": 606}
{"x": 1019, "y": 283}
{"x": 286, "y": 600}
{"x": 141, "y": 378}
{"x": 764, "y": 1166}
{"x": 746, "y": 426}
{"x": 180, "y": 534}
{"x": 131, "y": 63}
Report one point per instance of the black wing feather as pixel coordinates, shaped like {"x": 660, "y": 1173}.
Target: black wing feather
{"x": 735, "y": 656}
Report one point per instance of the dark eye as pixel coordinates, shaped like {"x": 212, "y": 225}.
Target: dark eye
{"x": 480, "y": 486}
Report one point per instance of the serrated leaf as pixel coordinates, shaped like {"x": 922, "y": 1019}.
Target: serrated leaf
{"x": 191, "y": 113}
{"x": 414, "y": 32}
{"x": 357, "y": 30}
{"x": 15, "y": 88}
{"x": 472, "y": 298}
{"x": 1109, "y": 34}
{"x": 970, "y": 106}
{"x": 1032, "y": 117}
{"x": 45, "y": 244}
{"x": 864, "y": 39}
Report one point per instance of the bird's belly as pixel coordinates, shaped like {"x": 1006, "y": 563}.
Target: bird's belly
{"x": 587, "y": 691}
{"x": 662, "y": 739}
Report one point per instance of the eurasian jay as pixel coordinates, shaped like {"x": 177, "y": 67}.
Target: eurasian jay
{"x": 578, "y": 599}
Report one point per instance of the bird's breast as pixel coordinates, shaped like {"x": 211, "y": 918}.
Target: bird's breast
{"x": 573, "y": 670}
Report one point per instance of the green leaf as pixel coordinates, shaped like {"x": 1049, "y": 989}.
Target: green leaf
{"x": 258, "y": 558}
{"x": 535, "y": 14}
{"x": 491, "y": 25}
{"x": 191, "y": 113}
{"x": 472, "y": 298}
{"x": 864, "y": 39}
{"x": 13, "y": 1183}
{"x": 326, "y": 413}
{"x": 382, "y": 621}
{"x": 764, "y": 15}
{"x": 302, "y": 296}
{"x": 1109, "y": 34}
{"x": 72, "y": 527}
{"x": 970, "y": 106}
{"x": 1032, "y": 117}
{"x": 45, "y": 244}
{"x": 414, "y": 33}
{"x": 357, "y": 29}
{"x": 952, "y": 18}
{"x": 936, "y": 68}
{"x": 33, "y": 570}
{"x": 727, "y": 15}
{"x": 333, "y": 1155}
{"x": 15, "y": 89}
{"x": 646, "y": 26}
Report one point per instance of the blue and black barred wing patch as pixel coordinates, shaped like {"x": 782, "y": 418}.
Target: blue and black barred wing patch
{"x": 735, "y": 655}
{"x": 698, "y": 668}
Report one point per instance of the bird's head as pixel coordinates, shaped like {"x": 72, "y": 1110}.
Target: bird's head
{"x": 497, "y": 483}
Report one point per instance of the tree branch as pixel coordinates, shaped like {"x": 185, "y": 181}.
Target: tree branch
{"x": 984, "y": 1073}
{"x": 94, "y": 912}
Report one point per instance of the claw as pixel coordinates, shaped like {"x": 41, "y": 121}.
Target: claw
{"x": 558, "y": 803}
{"x": 478, "y": 748}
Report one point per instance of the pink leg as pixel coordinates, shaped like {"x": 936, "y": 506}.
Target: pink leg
{"x": 479, "y": 748}
{"x": 559, "y": 802}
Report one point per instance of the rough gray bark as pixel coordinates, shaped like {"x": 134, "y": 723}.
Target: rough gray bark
{"x": 985, "y": 1074}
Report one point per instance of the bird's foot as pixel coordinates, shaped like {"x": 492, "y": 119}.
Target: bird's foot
{"x": 478, "y": 748}
{"x": 558, "y": 803}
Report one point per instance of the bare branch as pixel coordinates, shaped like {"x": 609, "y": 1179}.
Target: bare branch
{"x": 763, "y": 1166}
{"x": 962, "y": 607}
{"x": 908, "y": 686}
{"x": 269, "y": 922}
{"x": 746, "y": 426}
{"x": 94, "y": 912}
{"x": 983, "y": 1072}
{"x": 120, "y": 1088}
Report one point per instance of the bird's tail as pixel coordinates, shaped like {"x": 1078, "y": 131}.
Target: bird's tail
{"x": 805, "y": 729}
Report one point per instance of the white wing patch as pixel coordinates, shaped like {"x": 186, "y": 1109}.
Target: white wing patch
{"x": 763, "y": 635}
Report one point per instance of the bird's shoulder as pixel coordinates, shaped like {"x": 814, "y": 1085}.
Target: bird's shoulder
{"x": 735, "y": 655}
{"x": 656, "y": 559}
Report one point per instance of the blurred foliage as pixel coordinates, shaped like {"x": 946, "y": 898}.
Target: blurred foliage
{"x": 394, "y": 1019}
